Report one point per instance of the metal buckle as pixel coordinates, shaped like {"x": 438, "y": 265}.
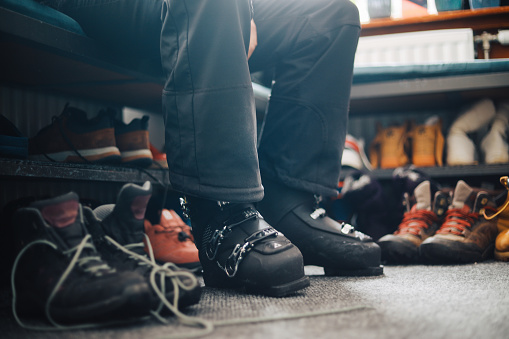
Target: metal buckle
{"x": 215, "y": 242}
{"x": 318, "y": 213}
{"x": 238, "y": 253}
{"x": 185, "y": 208}
{"x": 235, "y": 258}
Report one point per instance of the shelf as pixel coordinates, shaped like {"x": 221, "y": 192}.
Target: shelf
{"x": 28, "y": 169}
{"x": 478, "y": 20}
{"x": 446, "y": 172}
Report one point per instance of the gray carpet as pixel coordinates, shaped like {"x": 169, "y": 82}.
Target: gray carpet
{"x": 465, "y": 301}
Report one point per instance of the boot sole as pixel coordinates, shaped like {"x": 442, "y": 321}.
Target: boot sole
{"x": 363, "y": 272}
{"x": 280, "y": 290}
{"x": 399, "y": 252}
{"x": 441, "y": 253}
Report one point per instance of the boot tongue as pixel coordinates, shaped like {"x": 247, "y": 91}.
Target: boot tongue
{"x": 125, "y": 224}
{"x": 422, "y": 195}
{"x": 461, "y": 196}
{"x": 63, "y": 215}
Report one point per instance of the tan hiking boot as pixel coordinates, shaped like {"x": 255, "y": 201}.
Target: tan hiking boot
{"x": 427, "y": 144}
{"x": 502, "y": 215}
{"x": 388, "y": 149}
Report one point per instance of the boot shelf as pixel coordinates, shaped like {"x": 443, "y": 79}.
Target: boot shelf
{"x": 80, "y": 172}
{"x": 445, "y": 172}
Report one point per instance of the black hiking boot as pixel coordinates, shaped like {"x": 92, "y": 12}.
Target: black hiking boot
{"x": 59, "y": 274}
{"x": 119, "y": 234}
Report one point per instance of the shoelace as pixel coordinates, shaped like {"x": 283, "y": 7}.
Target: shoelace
{"x": 207, "y": 327}
{"x": 457, "y": 221}
{"x": 504, "y": 181}
{"x": 414, "y": 221}
{"x": 168, "y": 270}
{"x": 77, "y": 259}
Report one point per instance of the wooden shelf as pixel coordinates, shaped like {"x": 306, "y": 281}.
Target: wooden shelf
{"x": 481, "y": 19}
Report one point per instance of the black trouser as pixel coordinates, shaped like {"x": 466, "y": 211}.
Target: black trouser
{"x": 208, "y": 103}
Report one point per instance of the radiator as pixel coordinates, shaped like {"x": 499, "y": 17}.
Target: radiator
{"x": 428, "y": 47}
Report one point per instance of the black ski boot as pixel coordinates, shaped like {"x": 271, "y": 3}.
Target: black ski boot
{"x": 336, "y": 246}
{"x": 237, "y": 248}
{"x": 60, "y": 276}
{"x": 119, "y": 234}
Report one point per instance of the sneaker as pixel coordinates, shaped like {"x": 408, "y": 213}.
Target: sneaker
{"x": 159, "y": 157}
{"x": 336, "y": 246}
{"x": 238, "y": 249}
{"x": 13, "y": 144}
{"x": 421, "y": 220}
{"x": 427, "y": 143}
{"x": 72, "y": 137}
{"x": 389, "y": 148}
{"x": 502, "y": 215}
{"x": 133, "y": 142}
{"x": 59, "y": 274}
{"x": 172, "y": 241}
{"x": 465, "y": 235}
{"x": 354, "y": 155}
{"x": 119, "y": 234}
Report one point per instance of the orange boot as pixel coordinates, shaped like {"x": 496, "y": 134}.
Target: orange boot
{"x": 427, "y": 144}
{"x": 172, "y": 241}
{"x": 502, "y": 241}
{"x": 388, "y": 149}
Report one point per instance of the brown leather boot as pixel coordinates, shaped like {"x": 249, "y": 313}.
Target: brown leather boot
{"x": 465, "y": 236}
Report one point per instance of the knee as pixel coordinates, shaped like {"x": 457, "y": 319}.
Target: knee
{"x": 345, "y": 9}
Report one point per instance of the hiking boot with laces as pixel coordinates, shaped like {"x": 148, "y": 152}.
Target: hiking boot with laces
{"x": 465, "y": 235}
{"x": 502, "y": 215}
{"x": 72, "y": 137}
{"x": 59, "y": 274}
{"x": 172, "y": 241}
{"x": 238, "y": 249}
{"x": 118, "y": 232}
{"x": 335, "y": 246}
{"x": 421, "y": 220}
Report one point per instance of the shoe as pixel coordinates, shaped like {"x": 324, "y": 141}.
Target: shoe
{"x": 238, "y": 249}
{"x": 133, "y": 142}
{"x": 59, "y": 274}
{"x": 389, "y": 148}
{"x": 354, "y": 155}
{"x": 502, "y": 215}
{"x": 159, "y": 157}
{"x": 119, "y": 234}
{"x": 427, "y": 143}
{"x": 13, "y": 144}
{"x": 324, "y": 242}
{"x": 460, "y": 148}
{"x": 172, "y": 241}
{"x": 465, "y": 235}
{"x": 425, "y": 210}
{"x": 494, "y": 145}
{"x": 72, "y": 137}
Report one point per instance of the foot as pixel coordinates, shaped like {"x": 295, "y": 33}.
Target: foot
{"x": 237, "y": 248}
{"x": 336, "y": 246}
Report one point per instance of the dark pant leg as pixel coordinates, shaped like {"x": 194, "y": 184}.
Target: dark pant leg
{"x": 208, "y": 101}
{"x": 311, "y": 45}
{"x": 131, "y": 27}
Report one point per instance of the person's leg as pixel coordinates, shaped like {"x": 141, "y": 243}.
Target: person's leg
{"x": 132, "y": 27}
{"x": 311, "y": 46}
{"x": 208, "y": 106}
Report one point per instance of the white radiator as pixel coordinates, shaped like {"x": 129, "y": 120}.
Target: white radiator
{"x": 428, "y": 47}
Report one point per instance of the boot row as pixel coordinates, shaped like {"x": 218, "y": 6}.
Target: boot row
{"x": 448, "y": 226}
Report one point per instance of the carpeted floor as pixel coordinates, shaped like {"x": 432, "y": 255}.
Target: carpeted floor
{"x": 466, "y": 301}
